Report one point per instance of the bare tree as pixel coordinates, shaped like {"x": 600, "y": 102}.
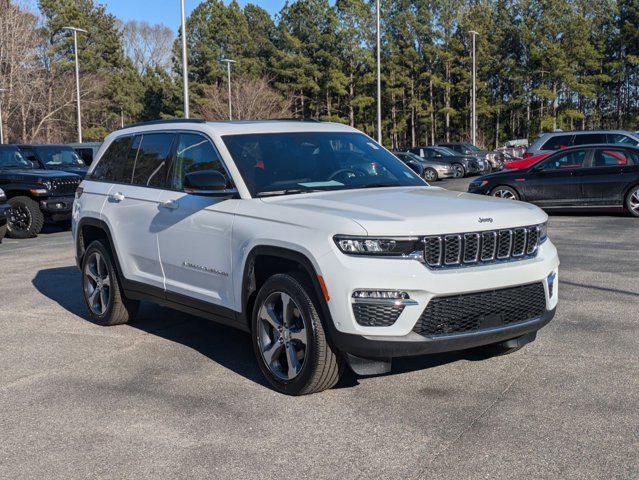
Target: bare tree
{"x": 253, "y": 99}
{"x": 148, "y": 46}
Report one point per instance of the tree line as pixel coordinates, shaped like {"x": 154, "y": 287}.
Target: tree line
{"x": 541, "y": 65}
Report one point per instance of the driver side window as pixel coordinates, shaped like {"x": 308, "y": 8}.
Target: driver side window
{"x": 194, "y": 153}
{"x": 567, "y": 161}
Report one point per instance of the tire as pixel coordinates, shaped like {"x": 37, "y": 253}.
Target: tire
{"x": 116, "y": 309}
{"x": 430, "y": 175}
{"x": 502, "y": 191}
{"x": 460, "y": 171}
{"x": 3, "y": 232}
{"x": 632, "y": 201}
{"x": 316, "y": 366}
{"x": 25, "y": 218}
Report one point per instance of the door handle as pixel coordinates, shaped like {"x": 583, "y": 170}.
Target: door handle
{"x": 116, "y": 197}
{"x": 170, "y": 205}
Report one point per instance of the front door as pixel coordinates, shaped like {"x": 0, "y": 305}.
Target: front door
{"x": 194, "y": 232}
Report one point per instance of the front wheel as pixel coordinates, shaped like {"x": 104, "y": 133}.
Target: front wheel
{"x": 505, "y": 192}
{"x": 458, "y": 170}
{"x": 289, "y": 339}
{"x": 632, "y": 201}
{"x": 25, "y": 218}
{"x": 430, "y": 175}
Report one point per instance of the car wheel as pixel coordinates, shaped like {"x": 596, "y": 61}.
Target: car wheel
{"x": 430, "y": 175}
{"x": 505, "y": 192}
{"x": 103, "y": 294}
{"x": 25, "y": 218}
{"x": 632, "y": 201}
{"x": 289, "y": 339}
{"x": 459, "y": 170}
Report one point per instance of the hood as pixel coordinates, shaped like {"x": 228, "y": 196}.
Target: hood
{"x": 414, "y": 210}
{"x": 34, "y": 175}
{"x": 80, "y": 170}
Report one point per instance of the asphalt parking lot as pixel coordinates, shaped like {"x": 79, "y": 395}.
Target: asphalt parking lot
{"x": 172, "y": 396}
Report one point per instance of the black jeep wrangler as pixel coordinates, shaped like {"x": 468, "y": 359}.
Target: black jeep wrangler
{"x": 34, "y": 194}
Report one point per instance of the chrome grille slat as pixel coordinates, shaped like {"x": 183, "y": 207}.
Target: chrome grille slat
{"x": 477, "y": 248}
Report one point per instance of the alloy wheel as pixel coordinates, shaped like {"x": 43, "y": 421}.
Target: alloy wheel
{"x": 97, "y": 284}
{"x": 430, "y": 175}
{"x": 633, "y": 203}
{"x": 282, "y": 335}
{"x": 19, "y": 218}
{"x": 459, "y": 171}
{"x": 503, "y": 193}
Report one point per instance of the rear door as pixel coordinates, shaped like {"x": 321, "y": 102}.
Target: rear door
{"x": 604, "y": 182}
{"x": 557, "y": 180}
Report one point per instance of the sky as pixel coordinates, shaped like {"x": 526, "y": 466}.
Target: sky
{"x": 168, "y": 11}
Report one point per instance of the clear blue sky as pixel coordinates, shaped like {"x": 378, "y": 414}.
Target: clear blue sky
{"x": 168, "y": 11}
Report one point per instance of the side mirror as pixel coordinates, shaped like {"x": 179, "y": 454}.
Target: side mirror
{"x": 207, "y": 183}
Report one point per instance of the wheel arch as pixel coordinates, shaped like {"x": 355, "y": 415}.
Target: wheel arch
{"x": 627, "y": 190}
{"x": 90, "y": 229}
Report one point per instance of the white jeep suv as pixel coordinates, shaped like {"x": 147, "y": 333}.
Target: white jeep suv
{"x": 313, "y": 238}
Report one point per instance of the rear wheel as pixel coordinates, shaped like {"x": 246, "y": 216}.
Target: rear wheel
{"x": 289, "y": 340}
{"x": 25, "y": 218}
{"x": 458, "y": 170}
{"x": 632, "y": 201}
{"x": 505, "y": 192}
{"x": 103, "y": 294}
{"x": 430, "y": 175}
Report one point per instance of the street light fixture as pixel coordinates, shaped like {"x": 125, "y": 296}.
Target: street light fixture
{"x": 185, "y": 73}
{"x": 2, "y": 90}
{"x": 379, "y": 77}
{"x": 474, "y": 115}
{"x": 228, "y": 62}
{"x": 77, "y": 75}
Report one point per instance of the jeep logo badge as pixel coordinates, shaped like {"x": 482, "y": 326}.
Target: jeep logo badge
{"x": 485, "y": 220}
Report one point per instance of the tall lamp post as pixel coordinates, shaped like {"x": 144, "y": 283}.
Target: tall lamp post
{"x": 2, "y": 90}
{"x": 77, "y": 76}
{"x": 379, "y": 77}
{"x": 474, "y": 115}
{"x": 185, "y": 72}
{"x": 228, "y": 62}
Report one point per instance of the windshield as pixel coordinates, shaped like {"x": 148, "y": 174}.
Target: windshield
{"x": 10, "y": 157}
{"x": 472, "y": 147}
{"x": 60, "y": 156}
{"x": 283, "y": 163}
{"x": 446, "y": 152}
{"x": 411, "y": 156}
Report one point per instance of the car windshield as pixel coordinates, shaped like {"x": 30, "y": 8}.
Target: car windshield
{"x": 286, "y": 163}
{"x": 446, "y": 152}
{"x": 60, "y": 156}
{"x": 472, "y": 147}
{"x": 11, "y": 158}
{"x": 412, "y": 156}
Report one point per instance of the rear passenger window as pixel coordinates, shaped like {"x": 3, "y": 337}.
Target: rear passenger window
{"x": 558, "y": 142}
{"x": 620, "y": 138}
{"x": 590, "y": 138}
{"x": 612, "y": 158}
{"x": 115, "y": 165}
{"x": 151, "y": 159}
{"x": 194, "y": 153}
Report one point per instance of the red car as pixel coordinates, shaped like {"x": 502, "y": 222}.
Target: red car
{"x": 526, "y": 162}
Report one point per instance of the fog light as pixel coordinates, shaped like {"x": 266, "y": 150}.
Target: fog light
{"x": 381, "y": 294}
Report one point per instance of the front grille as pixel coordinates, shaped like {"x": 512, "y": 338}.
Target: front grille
{"x": 478, "y": 311}
{"x": 65, "y": 186}
{"x": 376, "y": 315}
{"x": 445, "y": 251}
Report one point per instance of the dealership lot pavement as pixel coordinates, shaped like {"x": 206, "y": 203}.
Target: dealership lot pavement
{"x": 172, "y": 396}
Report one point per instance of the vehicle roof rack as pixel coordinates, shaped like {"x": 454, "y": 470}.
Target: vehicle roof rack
{"x": 167, "y": 121}
{"x": 297, "y": 119}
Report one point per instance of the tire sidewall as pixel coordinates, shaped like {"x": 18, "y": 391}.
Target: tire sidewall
{"x": 630, "y": 193}
{"x": 98, "y": 246}
{"x": 33, "y": 229}
{"x": 460, "y": 167}
{"x": 504, "y": 187}
{"x": 290, "y": 285}
{"x": 433, "y": 173}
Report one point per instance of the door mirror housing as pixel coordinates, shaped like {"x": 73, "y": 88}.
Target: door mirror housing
{"x": 209, "y": 183}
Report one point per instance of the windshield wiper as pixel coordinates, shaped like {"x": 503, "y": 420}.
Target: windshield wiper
{"x": 377, "y": 185}
{"x": 286, "y": 191}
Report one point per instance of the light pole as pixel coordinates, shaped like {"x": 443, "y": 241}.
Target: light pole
{"x": 185, "y": 73}
{"x": 474, "y": 115}
{"x": 228, "y": 62}
{"x": 379, "y": 78}
{"x": 77, "y": 76}
{"x": 2, "y": 90}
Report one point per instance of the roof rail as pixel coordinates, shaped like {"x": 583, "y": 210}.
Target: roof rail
{"x": 297, "y": 119}
{"x": 167, "y": 121}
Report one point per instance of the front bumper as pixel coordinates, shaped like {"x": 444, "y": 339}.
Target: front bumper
{"x": 413, "y": 344}
{"x": 57, "y": 205}
{"x": 445, "y": 172}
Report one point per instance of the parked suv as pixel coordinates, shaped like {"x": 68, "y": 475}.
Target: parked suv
{"x": 462, "y": 165}
{"x": 35, "y": 195}
{"x": 276, "y": 229}
{"x": 547, "y": 143}
{"x": 495, "y": 158}
{"x": 54, "y": 157}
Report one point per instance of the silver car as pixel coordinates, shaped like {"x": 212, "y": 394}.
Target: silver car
{"x": 433, "y": 170}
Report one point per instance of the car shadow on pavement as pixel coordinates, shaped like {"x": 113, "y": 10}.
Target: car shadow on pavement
{"x": 226, "y": 346}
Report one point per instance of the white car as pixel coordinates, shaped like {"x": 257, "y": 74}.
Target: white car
{"x": 313, "y": 238}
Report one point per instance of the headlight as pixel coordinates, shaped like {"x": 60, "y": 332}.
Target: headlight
{"x": 3, "y": 196}
{"x": 543, "y": 232}
{"x": 47, "y": 185}
{"x": 478, "y": 184}
{"x": 379, "y": 247}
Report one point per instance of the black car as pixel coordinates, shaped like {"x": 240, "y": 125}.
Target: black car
{"x": 495, "y": 158}
{"x": 4, "y": 214}
{"x": 34, "y": 194}
{"x": 463, "y": 165}
{"x": 55, "y": 157}
{"x": 584, "y": 176}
